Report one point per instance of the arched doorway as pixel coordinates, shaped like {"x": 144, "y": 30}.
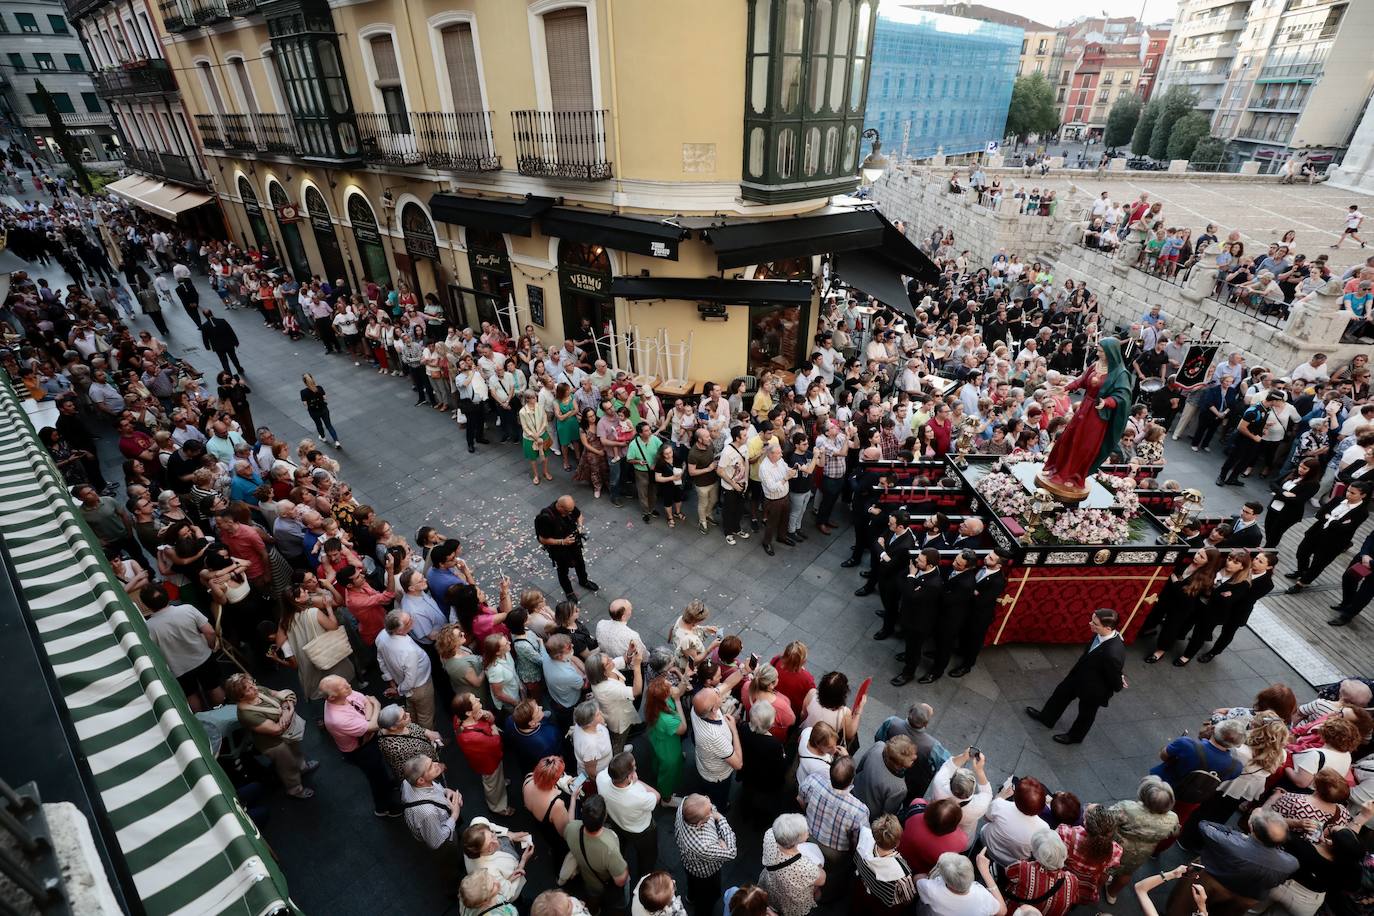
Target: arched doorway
{"x": 261, "y": 237}
{"x": 491, "y": 276}
{"x": 326, "y": 239}
{"x": 422, "y": 250}
{"x": 290, "y": 233}
{"x": 368, "y": 238}
{"x": 777, "y": 333}
{"x": 584, "y": 281}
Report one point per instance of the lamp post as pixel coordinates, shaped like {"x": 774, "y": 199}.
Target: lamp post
{"x": 875, "y": 163}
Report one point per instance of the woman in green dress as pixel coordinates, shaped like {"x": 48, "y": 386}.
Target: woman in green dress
{"x": 663, "y": 714}
{"x": 565, "y": 417}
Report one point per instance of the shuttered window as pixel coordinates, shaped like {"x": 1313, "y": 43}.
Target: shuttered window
{"x": 570, "y": 63}
{"x": 384, "y": 58}
{"x": 460, "y": 57}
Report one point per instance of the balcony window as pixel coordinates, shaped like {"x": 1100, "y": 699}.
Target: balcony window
{"x": 306, "y": 55}
{"x": 60, "y": 101}
{"x": 569, "y": 56}
{"x": 58, "y": 24}
{"x": 92, "y": 102}
{"x": 460, "y": 59}
{"x": 388, "y": 82}
{"x": 75, "y": 62}
{"x": 26, "y": 22}
{"x": 44, "y": 62}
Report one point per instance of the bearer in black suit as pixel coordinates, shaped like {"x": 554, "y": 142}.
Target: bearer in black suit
{"x": 894, "y": 560}
{"x": 955, "y": 605}
{"x": 1092, "y": 681}
{"x": 1331, "y": 533}
{"x": 934, "y": 532}
{"x": 920, "y": 609}
{"x": 989, "y": 583}
{"x": 1245, "y": 528}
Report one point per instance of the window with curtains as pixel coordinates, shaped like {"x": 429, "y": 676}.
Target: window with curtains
{"x": 806, "y": 90}
{"x": 460, "y": 62}
{"x": 388, "y": 83}
{"x": 567, "y": 45}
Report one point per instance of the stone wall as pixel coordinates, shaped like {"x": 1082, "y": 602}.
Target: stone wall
{"x": 920, "y": 199}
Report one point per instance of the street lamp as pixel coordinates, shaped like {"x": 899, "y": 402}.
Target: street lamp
{"x": 875, "y": 163}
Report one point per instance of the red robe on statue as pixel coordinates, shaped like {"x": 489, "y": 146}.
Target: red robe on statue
{"x": 1078, "y": 445}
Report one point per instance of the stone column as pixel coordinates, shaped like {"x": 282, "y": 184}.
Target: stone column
{"x": 1316, "y": 322}
{"x": 1202, "y": 278}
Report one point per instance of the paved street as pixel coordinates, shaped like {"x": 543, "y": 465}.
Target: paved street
{"x": 410, "y": 464}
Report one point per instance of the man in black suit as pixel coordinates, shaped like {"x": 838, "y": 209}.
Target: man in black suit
{"x": 1331, "y": 533}
{"x": 954, "y": 608}
{"x": 218, "y": 335}
{"x": 1356, "y": 589}
{"x": 970, "y": 534}
{"x": 989, "y": 583}
{"x": 867, "y": 510}
{"x": 1092, "y": 681}
{"x": 190, "y": 300}
{"x": 933, "y": 532}
{"x": 1245, "y": 528}
{"x": 894, "y": 559}
{"x": 920, "y": 609}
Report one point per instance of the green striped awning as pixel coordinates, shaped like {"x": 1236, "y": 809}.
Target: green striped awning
{"x": 188, "y": 845}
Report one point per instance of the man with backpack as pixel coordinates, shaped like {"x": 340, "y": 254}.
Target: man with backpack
{"x": 1249, "y": 438}
{"x": 1195, "y": 767}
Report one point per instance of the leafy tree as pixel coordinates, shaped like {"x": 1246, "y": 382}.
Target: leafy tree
{"x": 1177, "y": 102}
{"x": 66, "y": 144}
{"x": 1140, "y": 138}
{"x": 1188, "y": 130}
{"x": 1208, "y": 154}
{"x": 1121, "y": 122}
{"x": 1032, "y": 107}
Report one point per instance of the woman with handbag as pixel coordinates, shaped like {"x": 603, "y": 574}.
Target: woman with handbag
{"x": 270, "y": 715}
{"x": 319, "y": 642}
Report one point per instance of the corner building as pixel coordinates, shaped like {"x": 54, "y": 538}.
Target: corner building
{"x": 628, "y": 166}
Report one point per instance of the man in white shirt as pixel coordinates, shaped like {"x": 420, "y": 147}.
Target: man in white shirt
{"x": 774, "y": 476}
{"x": 1101, "y": 205}
{"x": 831, "y": 359}
{"x": 406, "y": 666}
{"x": 631, "y": 805}
{"x": 183, "y": 432}
{"x": 493, "y": 848}
{"x": 1313, "y": 370}
{"x": 910, "y": 378}
{"x": 602, "y": 376}
{"x": 615, "y": 636}
{"x": 970, "y": 789}
{"x": 968, "y": 394}
{"x": 805, "y": 375}
{"x": 263, "y": 456}
{"x": 187, "y": 641}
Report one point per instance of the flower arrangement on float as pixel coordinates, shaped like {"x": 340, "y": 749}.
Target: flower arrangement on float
{"x": 1008, "y": 498}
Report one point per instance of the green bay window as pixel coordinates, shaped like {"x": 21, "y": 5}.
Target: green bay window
{"x": 305, "y": 50}
{"x": 806, "y": 85}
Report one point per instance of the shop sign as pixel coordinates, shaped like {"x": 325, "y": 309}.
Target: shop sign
{"x": 318, "y": 211}
{"x": 660, "y": 250}
{"x": 364, "y": 221}
{"x": 585, "y": 281}
{"x": 492, "y": 261}
{"x": 418, "y": 233}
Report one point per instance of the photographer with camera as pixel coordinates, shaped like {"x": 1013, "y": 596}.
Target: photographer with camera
{"x": 559, "y": 528}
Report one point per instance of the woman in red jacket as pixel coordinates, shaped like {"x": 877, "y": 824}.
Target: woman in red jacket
{"x": 480, "y": 741}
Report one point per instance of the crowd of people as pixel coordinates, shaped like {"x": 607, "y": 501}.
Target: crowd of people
{"x": 250, "y": 557}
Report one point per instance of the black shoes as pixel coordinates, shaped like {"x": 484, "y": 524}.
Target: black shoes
{"x": 787, "y": 542}
{"x": 1338, "y": 622}
{"x": 850, "y": 563}
{"x": 1066, "y": 738}
{"x": 901, "y": 680}
{"x": 929, "y": 678}
{"x": 868, "y": 588}
{"x": 882, "y": 634}
{"x": 1037, "y": 715}
{"x": 960, "y": 671}
{"x": 768, "y": 549}
{"x": 1290, "y": 575}
{"x": 589, "y": 585}
{"x": 1206, "y": 657}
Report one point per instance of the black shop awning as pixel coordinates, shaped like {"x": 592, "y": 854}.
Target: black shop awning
{"x": 898, "y": 251}
{"x": 650, "y": 237}
{"x": 712, "y": 289}
{"x": 742, "y": 244}
{"x": 873, "y": 275}
{"x": 513, "y": 216}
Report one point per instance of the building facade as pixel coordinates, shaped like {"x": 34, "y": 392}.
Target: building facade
{"x": 1105, "y": 60}
{"x": 37, "y": 45}
{"x": 124, "y": 40}
{"x": 940, "y": 82}
{"x": 1276, "y": 77}
{"x": 565, "y": 164}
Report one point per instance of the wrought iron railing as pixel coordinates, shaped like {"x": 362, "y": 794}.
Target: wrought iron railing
{"x": 388, "y": 137}
{"x": 210, "y": 134}
{"x": 276, "y": 134}
{"x": 28, "y": 860}
{"x": 175, "y": 18}
{"x": 238, "y": 132}
{"x": 164, "y": 165}
{"x": 460, "y": 141}
{"x": 137, "y": 78}
{"x": 204, "y": 12}
{"x": 562, "y": 144}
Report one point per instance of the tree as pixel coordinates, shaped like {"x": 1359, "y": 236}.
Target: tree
{"x": 1032, "y": 107}
{"x": 70, "y": 149}
{"x": 1121, "y": 122}
{"x": 1208, "y": 154}
{"x": 1188, "y": 130}
{"x": 1177, "y": 102}
{"x": 1140, "y": 138}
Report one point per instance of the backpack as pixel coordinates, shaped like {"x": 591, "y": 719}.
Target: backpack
{"x": 1197, "y": 785}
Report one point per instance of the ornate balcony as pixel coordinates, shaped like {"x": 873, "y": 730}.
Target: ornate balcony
{"x": 210, "y": 135}
{"x": 142, "y": 77}
{"x": 165, "y": 165}
{"x": 276, "y": 134}
{"x": 237, "y": 131}
{"x": 175, "y": 18}
{"x": 453, "y": 141}
{"x": 562, "y": 144}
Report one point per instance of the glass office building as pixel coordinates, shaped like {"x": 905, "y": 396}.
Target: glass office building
{"x": 939, "y": 81}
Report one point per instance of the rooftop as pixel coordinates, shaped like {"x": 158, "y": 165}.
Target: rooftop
{"x": 986, "y": 13}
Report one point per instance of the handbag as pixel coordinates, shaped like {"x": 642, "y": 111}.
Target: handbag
{"x": 328, "y": 649}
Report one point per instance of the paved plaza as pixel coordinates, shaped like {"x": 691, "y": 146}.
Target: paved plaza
{"x": 411, "y": 464}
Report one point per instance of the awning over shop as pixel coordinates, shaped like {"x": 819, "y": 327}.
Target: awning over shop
{"x": 712, "y": 289}
{"x": 762, "y": 241}
{"x": 873, "y": 275}
{"x": 514, "y": 216}
{"x": 653, "y": 238}
{"x": 165, "y": 199}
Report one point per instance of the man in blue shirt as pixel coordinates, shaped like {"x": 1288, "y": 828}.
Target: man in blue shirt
{"x": 1185, "y": 754}
{"x": 244, "y": 483}
{"x": 446, "y": 570}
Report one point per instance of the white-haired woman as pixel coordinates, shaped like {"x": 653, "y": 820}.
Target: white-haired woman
{"x": 1141, "y": 823}
{"x": 1042, "y": 881}
{"x": 949, "y": 889}
{"x": 792, "y": 872}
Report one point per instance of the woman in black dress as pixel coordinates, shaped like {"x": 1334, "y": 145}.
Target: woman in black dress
{"x": 669, "y": 479}
{"x": 1228, "y": 593}
{"x": 233, "y": 392}
{"x": 1261, "y": 584}
{"x": 1180, "y": 601}
{"x": 314, "y": 399}
{"x": 1290, "y": 499}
